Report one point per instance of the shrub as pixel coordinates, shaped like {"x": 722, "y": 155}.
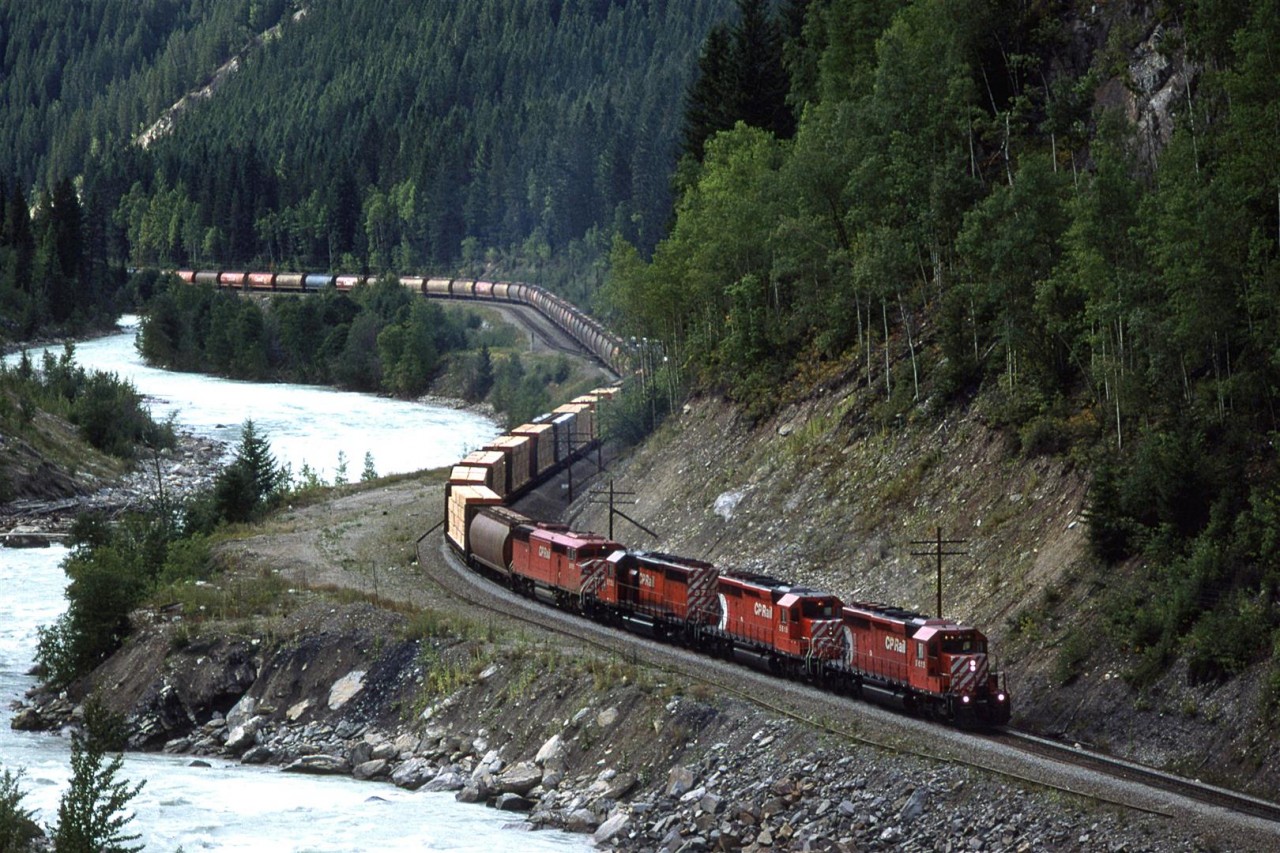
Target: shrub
{"x": 18, "y": 829}
{"x": 1227, "y": 640}
{"x": 91, "y": 814}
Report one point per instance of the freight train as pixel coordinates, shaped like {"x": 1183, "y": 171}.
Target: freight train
{"x": 931, "y": 666}
{"x": 582, "y": 327}
{"x": 935, "y": 667}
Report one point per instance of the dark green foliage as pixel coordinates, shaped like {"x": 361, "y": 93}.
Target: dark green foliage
{"x": 108, "y": 412}
{"x": 114, "y": 566}
{"x": 1072, "y": 656}
{"x": 111, "y": 568}
{"x": 948, "y": 174}
{"x": 391, "y": 134}
{"x": 53, "y": 265}
{"x": 741, "y": 77}
{"x": 252, "y": 483}
{"x": 79, "y": 77}
{"x": 18, "y": 829}
{"x": 482, "y": 375}
{"x": 522, "y": 395}
{"x": 376, "y": 338}
{"x": 92, "y": 816}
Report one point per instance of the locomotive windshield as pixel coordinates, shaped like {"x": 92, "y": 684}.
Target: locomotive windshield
{"x": 965, "y": 644}
{"x": 819, "y": 609}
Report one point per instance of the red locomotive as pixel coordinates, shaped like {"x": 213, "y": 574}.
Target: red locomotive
{"x": 934, "y": 667}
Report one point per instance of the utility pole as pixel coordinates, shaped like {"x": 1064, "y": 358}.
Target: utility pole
{"x": 595, "y": 495}
{"x": 939, "y": 551}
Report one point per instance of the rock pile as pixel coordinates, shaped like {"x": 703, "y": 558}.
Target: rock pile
{"x": 175, "y": 473}
{"x": 622, "y": 760}
{"x": 767, "y": 789}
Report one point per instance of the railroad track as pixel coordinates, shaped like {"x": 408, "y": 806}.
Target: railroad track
{"x": 1121, "y": 769}
{"x": 1132, "y": 786}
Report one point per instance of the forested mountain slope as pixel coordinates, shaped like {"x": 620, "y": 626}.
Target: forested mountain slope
{"x": 1057, "y": 220}
{"x": 77, "y": 78}
{"x": 1061, "y": 220}
{"x": 517, "y": 135}
{"x": 399, "y": 134}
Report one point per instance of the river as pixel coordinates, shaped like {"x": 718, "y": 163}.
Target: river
{"x": 229, "y": 806}
{"x": 306, "y": 424}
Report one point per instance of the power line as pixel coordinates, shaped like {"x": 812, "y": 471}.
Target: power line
{"x": 595, "y": 495}
{"x": 939, "y": 551}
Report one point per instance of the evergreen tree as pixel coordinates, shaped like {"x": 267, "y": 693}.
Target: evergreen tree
{"x": 741, "y": 77}
{"x": 18, "y": 236}
{"x": 252, "y": 483}
{"x": 91, "y": 814}
{"x": 482, "y": 379}
{"x": 708, "y": 103}
{"x": 18, "y": 829}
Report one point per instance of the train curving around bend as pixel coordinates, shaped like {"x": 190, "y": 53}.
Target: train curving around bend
{"x": 582, "y": 327}
{"x": 931, "y": 666}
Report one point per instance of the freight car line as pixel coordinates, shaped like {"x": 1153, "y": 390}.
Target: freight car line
{"x": 594, "y": 338}
{"x": 465, "y": 585}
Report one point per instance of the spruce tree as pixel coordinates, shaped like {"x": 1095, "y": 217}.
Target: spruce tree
{"x": 91, "y": 814}
{"x": 741, "y": 77}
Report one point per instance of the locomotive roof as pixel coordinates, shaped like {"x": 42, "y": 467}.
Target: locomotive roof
{"x": 900, "y": 614}
{"x": 771, "y": 583}
{"x": 670, "y": 559}
{"x": 562, "y": 535}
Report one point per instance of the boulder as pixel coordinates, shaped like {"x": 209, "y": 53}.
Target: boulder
{"x": 519, "y": 779}
{"x": 318, "y": 765}
{"x": 552, "y": 750}
{"x": 27, "y": 720}
{"x": 446, "y": 780}
{"x": 374, "y": 768}
{"x": 245, "y": 735}
{"x": 476, "y": 792}
{"x": 241, "y": 712}
{"x": 360, "y": 753}
{"x": 610, "y": 828}
{"x": 914, "y": 807}
{"x": 679, "y": 781}
{"x": 513, "y": 803}
{"x": 413, "y": 774}
{"x": 345, "y": 688}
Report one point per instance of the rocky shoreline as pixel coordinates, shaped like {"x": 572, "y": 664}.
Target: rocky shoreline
{"x": 561, "y": 740}
{"x": 176, "y": 473}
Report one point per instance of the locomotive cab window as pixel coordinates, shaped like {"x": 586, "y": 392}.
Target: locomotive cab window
{"x": 819, "y": 609}
{"x": 782, "y": 616}
{"x": 919, "y": 651}
{"x": 963, "y": 645}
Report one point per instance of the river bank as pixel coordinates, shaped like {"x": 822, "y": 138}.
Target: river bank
{"x": 172, "y": 473}
{"x": 359, "y": 666}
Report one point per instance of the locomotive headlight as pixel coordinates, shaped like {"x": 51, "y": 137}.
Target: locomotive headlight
{"x": 973, "y": 666}
{"x": 999, "y": 697}
{"x": 964, "y": 699}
